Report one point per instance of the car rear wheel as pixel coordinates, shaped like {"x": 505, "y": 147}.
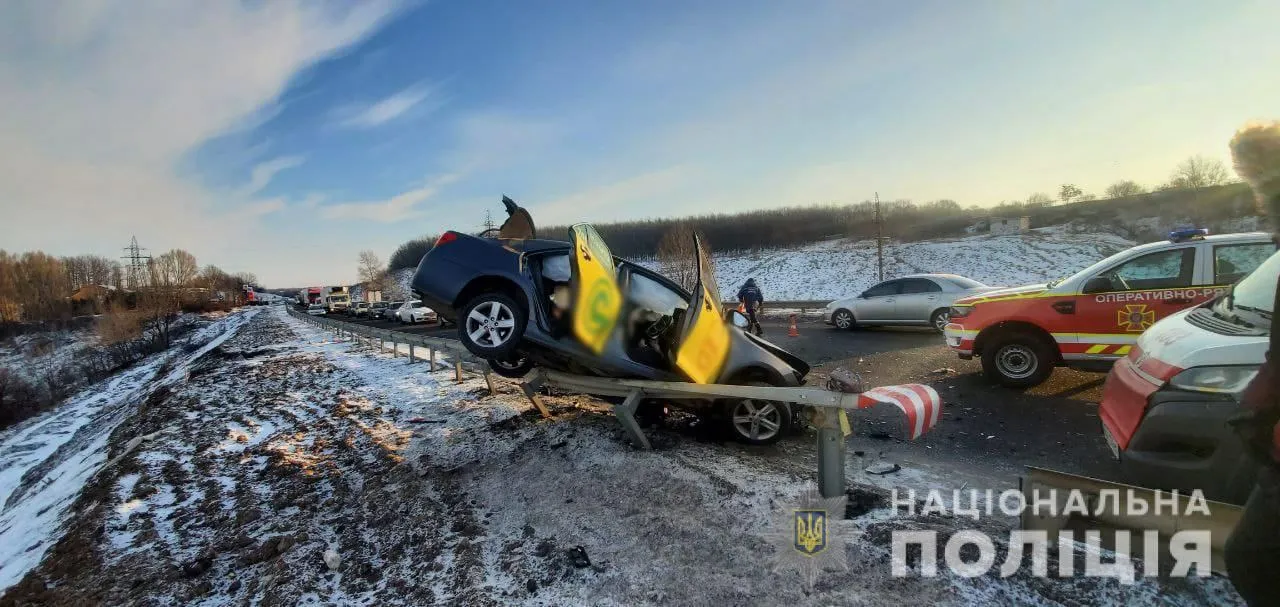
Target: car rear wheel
{"x": 939, "y": 319}
{"x": 514, "y": 366}
{"x": 1017, "y": 360}
{"x": 491, "y": 325}
{"x": 757, "y": 422}
{"x": 843, "y": 320}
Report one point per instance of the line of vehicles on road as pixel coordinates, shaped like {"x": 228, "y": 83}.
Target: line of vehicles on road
{"x": 409, "y": 312}
{"x": 1181, "y": 326}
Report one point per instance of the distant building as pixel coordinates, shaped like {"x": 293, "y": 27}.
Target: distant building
{"x": 1010, "y": 225}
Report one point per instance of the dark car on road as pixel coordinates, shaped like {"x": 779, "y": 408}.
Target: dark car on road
{"x": 510, "y": 296}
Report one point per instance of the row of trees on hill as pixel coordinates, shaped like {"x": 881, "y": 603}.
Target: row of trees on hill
{"x": 900, "y": 219}
{"x": 134, "y": 315}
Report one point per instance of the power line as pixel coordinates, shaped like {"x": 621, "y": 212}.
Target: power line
{"x": 879, "y": 241}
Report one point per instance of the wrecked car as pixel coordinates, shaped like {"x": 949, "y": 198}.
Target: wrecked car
{"x": 521, "y": 302}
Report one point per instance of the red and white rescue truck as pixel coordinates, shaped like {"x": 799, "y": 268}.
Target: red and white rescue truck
{"x": 1094, "y": 317}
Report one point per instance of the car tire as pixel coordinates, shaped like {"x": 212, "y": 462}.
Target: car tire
{"x": 745, "y": 418}
{"x": 497, "y": 340}
{"x": 1018, "y": 360}
{"x": 939, "y": 319}
{"x": 844, "y": 320}
{"x": 514, "y": 366}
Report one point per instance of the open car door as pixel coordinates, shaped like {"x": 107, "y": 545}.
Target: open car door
{"x": 593, "y": 280}
{"x": 704, "y": 338}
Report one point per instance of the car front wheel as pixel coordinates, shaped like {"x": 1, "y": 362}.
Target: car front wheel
{"x": 939, "y": 319}
{"x": 491, "y": 325}
{"x": 757, "y": 422}
{"x": 1018, "y": 360}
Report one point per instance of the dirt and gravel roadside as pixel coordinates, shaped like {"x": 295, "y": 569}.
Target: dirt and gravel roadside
{"x": 289, "y": 469}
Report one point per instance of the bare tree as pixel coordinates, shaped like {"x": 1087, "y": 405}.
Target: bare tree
{"x": 1040, "y": 199}
{"x": 1069, "y": 191}
{"x": 372, "y": 274}
{"x": 1199, "y": 172}
{"x": 1125, "y": 187}
{"x": 677, "y": 257}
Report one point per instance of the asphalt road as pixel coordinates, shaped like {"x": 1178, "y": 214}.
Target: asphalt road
{"x": 986, "y": 431}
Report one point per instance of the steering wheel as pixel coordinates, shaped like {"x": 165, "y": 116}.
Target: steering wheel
{"x": 657, "y": 328}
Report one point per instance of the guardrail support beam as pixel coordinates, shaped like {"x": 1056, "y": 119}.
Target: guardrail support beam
{"x": 530, "y": 390}
{"x": 457, "y": 371}
{"x": 626, "y": 414}
{"x": 411, "y": 354}
{"x": 830, "y": 454}
{"x": 432, "y": 353}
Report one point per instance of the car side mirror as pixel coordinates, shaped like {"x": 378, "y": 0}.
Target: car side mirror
{"x": 738, "y": 319}
{"x": 1097, "y": 284}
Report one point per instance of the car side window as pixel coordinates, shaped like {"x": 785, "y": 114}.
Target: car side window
{"x": 919, "y": 285}
{"x": 556, "y": 267}
{"x": 653, "y": 295}
{"x": 1231, "y": 262}
{"x": 1160, "y": 270}
{"x": 884, "y": 289}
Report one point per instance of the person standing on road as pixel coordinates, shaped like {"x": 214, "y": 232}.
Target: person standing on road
{"x": 752, "y": 300}
{"x": 1253, "y": 551}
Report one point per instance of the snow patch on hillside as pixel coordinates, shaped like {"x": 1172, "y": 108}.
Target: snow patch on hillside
{"x": 837, "y": 268}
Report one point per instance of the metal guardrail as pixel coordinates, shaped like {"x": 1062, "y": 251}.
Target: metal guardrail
{"x": 791, "y": 304}
{"x": 453, "y": 349}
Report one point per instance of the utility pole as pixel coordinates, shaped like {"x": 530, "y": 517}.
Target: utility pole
{"x": 488, "y": 220}
{"x": 879, "y": 241}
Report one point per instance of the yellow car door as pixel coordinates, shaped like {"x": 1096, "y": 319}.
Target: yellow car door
{"x": 597, "y": 300}
{"x": 704, "y": 337}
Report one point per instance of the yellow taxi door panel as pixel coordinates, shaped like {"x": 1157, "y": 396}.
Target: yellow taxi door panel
{"x": 704, "y": 343}
{"x": 597, "y": 299}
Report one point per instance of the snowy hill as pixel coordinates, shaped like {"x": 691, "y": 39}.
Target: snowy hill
{"x": 836, "y": 268}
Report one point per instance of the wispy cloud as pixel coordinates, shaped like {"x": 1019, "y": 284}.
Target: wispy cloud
{"x": 384, "y": 110}
{"x": 396, "y": 208}
{"x": 602, "y": 201}
{"x": 264, "y": 172}
{"x": 222, "y": 64}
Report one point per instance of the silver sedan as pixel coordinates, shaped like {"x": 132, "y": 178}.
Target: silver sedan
{"x": 916, "y": 300}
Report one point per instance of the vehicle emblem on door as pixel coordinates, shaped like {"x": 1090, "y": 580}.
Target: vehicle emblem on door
{"x": 1135, "y": 318}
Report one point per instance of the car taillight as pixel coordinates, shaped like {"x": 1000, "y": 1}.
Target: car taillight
{"x": 446, "y": 238}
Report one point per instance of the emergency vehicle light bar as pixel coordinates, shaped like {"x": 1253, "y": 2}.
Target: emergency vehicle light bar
{"x": 1185, "y": 234}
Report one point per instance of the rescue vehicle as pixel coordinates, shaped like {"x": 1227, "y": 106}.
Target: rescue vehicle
{"x": 1166, "y": 405}
{"x": 1093, "y": 317}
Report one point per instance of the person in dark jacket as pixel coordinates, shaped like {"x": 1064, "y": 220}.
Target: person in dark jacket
{"x": 1253, "y": 551}
{"x": 751, "y": 299}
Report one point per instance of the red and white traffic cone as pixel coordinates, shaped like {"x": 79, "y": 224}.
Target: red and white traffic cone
{"x": 794, "y": 331}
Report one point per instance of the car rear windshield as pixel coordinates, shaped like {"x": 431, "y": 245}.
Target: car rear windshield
{"x": 964, "y": 283}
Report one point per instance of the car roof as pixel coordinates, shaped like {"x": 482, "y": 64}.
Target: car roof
{"x": 535, "y": 245}
{"x": 1212, "y": 238}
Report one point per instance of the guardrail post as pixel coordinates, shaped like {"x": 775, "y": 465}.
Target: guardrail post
{"x": 626, "y": 414}
{"x": 830, "y": 454}
{"x": 432, "y": 353}
{"x": 457, "y": 371}
{"x": 488, "y": 379}
{"x": 411, "y": 354}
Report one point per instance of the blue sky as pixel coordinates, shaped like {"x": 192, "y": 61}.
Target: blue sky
{"x": 284, "y": 137}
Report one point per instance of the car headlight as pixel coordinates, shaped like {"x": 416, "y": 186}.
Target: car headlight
{"x": 1215, "y": 380}
{"x": 960, "y": 311}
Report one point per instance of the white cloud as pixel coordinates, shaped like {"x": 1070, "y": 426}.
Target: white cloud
{"x": 385, "y": 110}
{"x": 264, "y": 172}
{"x": 401, "y": 206}
{"x": 101, "y": 100}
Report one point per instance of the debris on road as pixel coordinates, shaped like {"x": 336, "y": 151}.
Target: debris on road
{"x": 882, "y": 467}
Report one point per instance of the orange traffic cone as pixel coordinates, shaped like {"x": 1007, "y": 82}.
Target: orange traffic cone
{"x": 794, "y": 331}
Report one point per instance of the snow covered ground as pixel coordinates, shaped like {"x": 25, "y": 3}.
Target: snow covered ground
{"x": 46, "y": 461}
{"x": 292, "y": 469}
{"x": 838, "y": 268}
